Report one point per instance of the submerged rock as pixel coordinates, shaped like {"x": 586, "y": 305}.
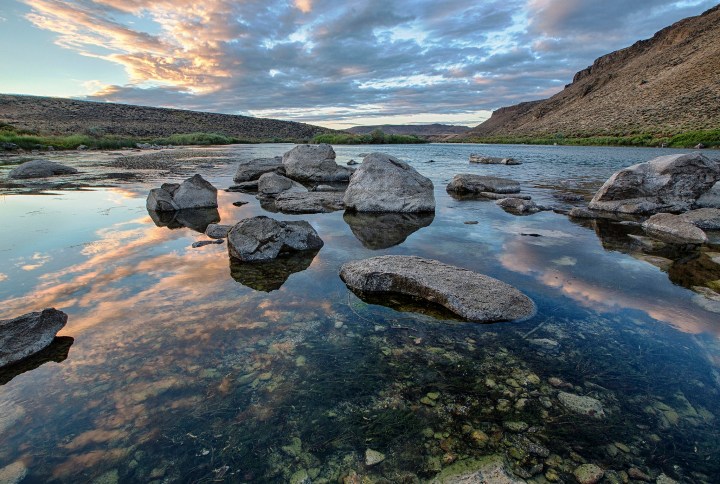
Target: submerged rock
{"x": 491, "y": 469}
{"x": 673, "y": 229}
{"x": 518, "y": 206}
{"x": 588, "y": 474}
{"x": 263, "y": 238}
{"x": 272, "y": 184}
{"x": 253, "y": 169}
{"x": 468, "y": 183}
{"x": 40, "y": 169}
{"x": 671, "y": 183}
{"x": 195, "y": 192}
{"x": 468, "y": 294}
{"x": 589, "y": 406}
{"x": 27, "y": 334}
{"x": 373, "y": 457}
{"x": 385, "y": 184}
{"x": 314, "y": 163}
{"x": 493, "y": 160}
{"x": 384, "y": 230}
{"x": 309, "y": 202}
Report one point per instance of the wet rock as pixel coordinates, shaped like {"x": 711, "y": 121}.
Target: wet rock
{"x": 309, "y": 202}
{"x": 240, "y": 203}
{"x": 518, "y": 206}
{"x": 329, "y": 188}
{"x": 272, "y": 184}
{"x": 638, "y": 475}
{"x": 707, "y": 299}
{"x": 671, "y": 183}
{"x": 373, "y": 457}
{"x": 470, "y": 295}
{"x": 263, "y": 238}
{"x": 383, "y": 230}
{"x": 493, "y": 160}
{"x": 514, "y": 426}
{"x": 467, "y": 183}
{"x": 588, "y": 474}
{"x": 253, "y": 169}
{"x": 249, "y": 186}
{"x": 217, "y": 231}
{"x": 314, "y": 163}
{"x": 673, "y": 229}
{"x": 203, "y": 243}
{"x": 352, "y": 163}
{"x": 489, "y": 469}
{"x": 664, "y": 479}
{"x": 501, "y": 196}
{"x": 40, "y": 169}
{"x": 28, "y": 334}
{"x": 703, "y": 218}
{"x": 13, "y": 473}
{"x": 582, "y": 404}
{"x": 581, "y": 212}
{"x": 385, "y": 184}
{"x": 57, "y": 352}
{"x": 710, "y": 199}
{"x": 195, "y": 192}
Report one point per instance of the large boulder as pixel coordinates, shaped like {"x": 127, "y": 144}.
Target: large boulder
{"x": 40, "y": 169}
{"x": 385, "y": 184}
{"x": 468, "y": 294}
{"x": 272, "y": 185}
{"x": 674, "y": 229}
{"x": 195, "y": 192}
{"x": 26, "y": 335}
{"x": 671, "y": 183}
{"x": 468, "y": 183}
{"x": 263, "y": 238}
{"x": 309, "y": 202}
{"x": 314, "y": 163}
{"x": 253, "y": 169}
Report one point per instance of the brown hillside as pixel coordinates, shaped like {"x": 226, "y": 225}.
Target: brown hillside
{"x": 664, "y": 85}
{"x": 412, "y": 129}
{"x": 46, "y": 115}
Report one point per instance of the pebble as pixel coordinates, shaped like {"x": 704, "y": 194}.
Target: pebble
{"x": 516, "y": 427}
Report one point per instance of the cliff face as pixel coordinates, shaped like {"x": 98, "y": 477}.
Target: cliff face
{"x": 664, "y": 85}
{"x": 58, "y": 116}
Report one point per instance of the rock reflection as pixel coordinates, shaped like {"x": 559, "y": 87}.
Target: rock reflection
{"x": 407, "y": 304}
{"x": 57, "y": 351}
{"x": 383, "y": 230}
{"x": 269, "y": 276}
{"x": 196, "y": 219}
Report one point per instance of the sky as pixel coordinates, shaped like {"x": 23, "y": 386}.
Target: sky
{"x": 327, "y": 62}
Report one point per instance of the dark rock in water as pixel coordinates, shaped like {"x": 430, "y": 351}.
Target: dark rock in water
{"x": 468, "y": 183}
{"x": 195, "y": 192}
{"x": 40, "y": 169}
{"x": 493, "y": 160}
{"x": 57, "y": 351}
{"x": 674, "y": 229}
{"x": 250, "y": 186}
{"x": 518, "y": 206}
{"x": 253, "y": 169}
{"x": 263, "y": 238}
{"x": 314, "y": 163}
{"x": 580, "y": 212}
{"x": 217, "y": 231}
{"x": 240, "y": 203}
{"x": 470, "y": 295}
{"x": 385, "y": 184}
{"x": 25, "y": 335}
{"x": 471, "y": 222}
{"x": 671, "y": 183}
{"x": 203, "y": 243}
{"x": 352, "y": 163}
{"x": 383, "y": 230}
{"x": 196, "y": 219}
{"x": 272, "y": 184}
{"x": 569, "y": 197}
{"x": 270, "y": 275}
{"x": 309, "y": 202}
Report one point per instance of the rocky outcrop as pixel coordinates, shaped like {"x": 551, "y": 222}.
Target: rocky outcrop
{"x": 309, "y": 202}
{"x": 314, "y": 163}
{"x": 253, "y": 169}
{"x": 475, "y": 184}
{"x": 195, "y": 192}
{"x": 272, "y": 185}
{"x": 670, "y": 183}
{"x": 27, "y": 334}
{"x": 377, "y": 231}
{"x": 493, "y": 160}
{"x": 263, "y": 238}
{"x": 385, "y": 184}
{"x": 40, "y": 169}
{"x": 674, "y": 229}
{"x": 468, "y": 294}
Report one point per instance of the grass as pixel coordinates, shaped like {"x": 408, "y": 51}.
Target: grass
{"x": 377, "y": 137}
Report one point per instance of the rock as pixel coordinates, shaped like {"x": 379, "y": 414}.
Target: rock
{"x": 588, "y": 474}
{"x": 518, "y": 205}
{"x": 160, "y": 200}
{"x": 493, "y": 160}
{"x": 707, "y": 299}
{"x": 263, "y": 238}
{"x": 699, "y": 146}
{"x": 40, "y": 169}
{"x": 314, "y": 163}
{"x": 664, "y": 479}
{"x": 248, "y": 186}
{"x": 373, "y": 457}
{"x": 57, "y": 352}
{"x": 468, "y": 294}
{"x": 580, "y": 212}
{"x": 638, "y": 475}
{"x": 384, "y": 230}
{"x": 217, "y": 231}
{"x": 9, "y": 146}
{"x": 28, "y": 334}
{"x": 516, "y": 427}
{"x": 673, "y": 229}
{"x": 196, "y": 219}
{"x": 272, "y": 184}
{"x": 253, "y": 169}
{"x": 270, "y": 275}
{"x": 352, "y": 163}
{"x": 385, "y": 184}
{"x": 13, "y": 473}
{"x": 669, "y": 183}
{"x": 309, "y": 202}
{"x": 710, "y": 199}
{"x": 195, "y": 192}
{"x": 82, "y": 148}
{"x": 240, "y": 203}
{"x": 203, "y": 243}
{"x": 582, "y": 404}
{"x": 467, "y": 183}
{"x": 703, "y": 218}
{"x": 328, "y": 188}
{"x": 500, "y": 196}
{"x": 491, "y": 469}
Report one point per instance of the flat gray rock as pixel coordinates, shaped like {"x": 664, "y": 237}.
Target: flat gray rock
{"x": 26, "y": 335}
{"x": 253, "y": 169}
{"x": 674, "y": 229}
{"x": 703, "y": 218}
{"x": 468, "y": 294}
{"x": 314, "y": 163}
{"x": 40, "y": 169}
{"x": 468, "y": 183}
{"x": 385, "y": 184}
{"x": 272, "y": 184}
{"x": 263, "y": 238}
{"x": 309, "y": 202}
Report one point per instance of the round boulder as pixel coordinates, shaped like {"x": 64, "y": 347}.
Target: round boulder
{"x": 263, "y": 238}
{"x": 314, "y": 163}
{"x": 40, "y": 169}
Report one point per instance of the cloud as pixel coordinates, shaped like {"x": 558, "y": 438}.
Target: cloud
{"x": 308, "y": 60}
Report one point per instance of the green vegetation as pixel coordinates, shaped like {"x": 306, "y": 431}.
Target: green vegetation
{"x": 688, "y": 139}
{"x": 377, "y": 137}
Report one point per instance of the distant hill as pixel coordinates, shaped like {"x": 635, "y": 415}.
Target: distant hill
{"x": 57, "y": 116}
{"x": 664, "y": 85}
{"x": 410, "y": 129}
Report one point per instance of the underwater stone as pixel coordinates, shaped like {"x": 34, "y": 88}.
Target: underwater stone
{"x": 13, "y": 473}
{"x": 373, "y": 457}
{"x": 588, "y": 474}
{"x": 488, "y": 469}
{"x": 516, "y": 427}
{"x": 582, "y": 404}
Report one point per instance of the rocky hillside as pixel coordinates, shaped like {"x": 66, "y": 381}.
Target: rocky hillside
{"x": 409, "y": 129}
{"x": 56, "y": 116}
{"x": 664, "y": 85}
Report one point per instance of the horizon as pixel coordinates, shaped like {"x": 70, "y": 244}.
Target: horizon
{"x": 316, "y": 62}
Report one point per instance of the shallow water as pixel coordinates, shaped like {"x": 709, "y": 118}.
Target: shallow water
{"x": 187, "y": 368}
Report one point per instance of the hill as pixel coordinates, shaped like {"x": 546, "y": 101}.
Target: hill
{"x": 63, "y": 117}
{"x": 662, "y": 86}
{"x": 410, "y": 129}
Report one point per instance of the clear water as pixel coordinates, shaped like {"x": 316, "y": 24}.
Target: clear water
{"x": 176, "y": 366}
